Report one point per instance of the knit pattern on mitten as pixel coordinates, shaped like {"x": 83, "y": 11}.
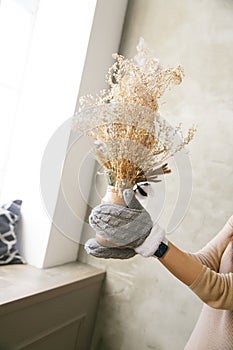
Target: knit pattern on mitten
{"x": 122, "y": 226}
{"x": 92, "y": 247}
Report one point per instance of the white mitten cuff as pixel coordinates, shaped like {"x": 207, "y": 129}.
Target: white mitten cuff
{"x": 152, "y": 242}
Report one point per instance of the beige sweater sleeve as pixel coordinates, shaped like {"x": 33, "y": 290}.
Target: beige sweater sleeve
{"x": 215, "y": 289}
{"x": 214, "y": 284}
{"x": 208, "y": 256}
{"x": 212, "y": 253}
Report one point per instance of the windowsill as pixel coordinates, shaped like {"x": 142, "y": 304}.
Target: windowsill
{"x": 23, "y": 285}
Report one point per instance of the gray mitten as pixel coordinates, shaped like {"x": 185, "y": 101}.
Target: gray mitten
{"x": 121, "y": 226}
{"x": 125, "y": 231}
{"x": 94, "y": 248}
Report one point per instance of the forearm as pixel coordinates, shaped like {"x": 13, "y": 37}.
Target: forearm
{"x": 214, "y": 289}
{"x": 181, "y": 265}
{"x": 186, "y": 267}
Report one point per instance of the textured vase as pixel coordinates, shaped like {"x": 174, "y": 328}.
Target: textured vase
{"x": 112, "y": 197}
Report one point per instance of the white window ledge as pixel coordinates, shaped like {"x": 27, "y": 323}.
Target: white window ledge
{"x": 24, "y": 285}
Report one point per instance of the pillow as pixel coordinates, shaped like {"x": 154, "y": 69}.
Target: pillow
{"x": 9, "y": 216}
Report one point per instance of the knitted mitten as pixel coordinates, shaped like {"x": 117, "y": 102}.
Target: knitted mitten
{"x": 126, "y": 230}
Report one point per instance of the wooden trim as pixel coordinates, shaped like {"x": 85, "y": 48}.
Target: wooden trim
{"x": 25, "y": 285}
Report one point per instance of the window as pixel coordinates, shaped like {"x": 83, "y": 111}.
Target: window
{"x": 17, "y": 19}
{"x": 62, "y": 33}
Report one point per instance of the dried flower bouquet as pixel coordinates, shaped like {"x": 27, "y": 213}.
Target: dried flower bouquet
{"x": 132, "y": 141}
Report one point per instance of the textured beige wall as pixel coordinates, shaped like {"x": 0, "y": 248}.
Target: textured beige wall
{"x": 143, "y": 306}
